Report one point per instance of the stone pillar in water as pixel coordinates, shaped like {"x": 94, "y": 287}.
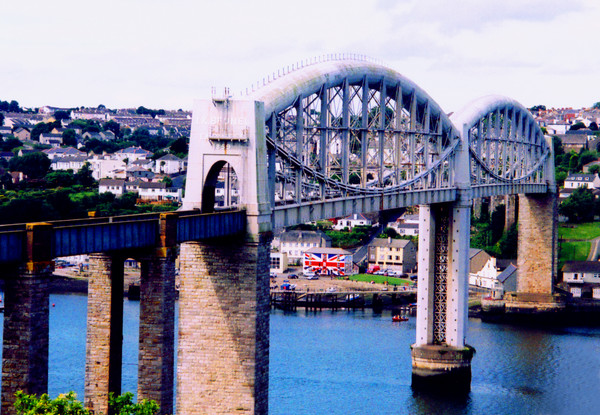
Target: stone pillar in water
{"x": 441, "y": 360}
{"x": 104, "y": 342}
{"x": 26, "y": 320}
{"x": 157, "y": 319}
{"x": 223, "y": 347}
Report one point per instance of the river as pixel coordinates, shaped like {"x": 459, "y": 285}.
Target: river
{"x": 358, "y": 362}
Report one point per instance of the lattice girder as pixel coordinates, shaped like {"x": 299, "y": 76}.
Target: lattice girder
{"x": 355, "y": 128}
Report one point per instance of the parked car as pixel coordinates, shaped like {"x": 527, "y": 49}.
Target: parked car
{"x": 293, "y": 276}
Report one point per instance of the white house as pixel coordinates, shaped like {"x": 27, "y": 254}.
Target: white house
{"x": 104, "y": 166}
{"x": 114, "y": 186}
{"x": 158, "y": 191}
{"x": 582, "y": 278}
{"x": 351, "y": 221}
{"x": 58, "y": 152}
{"x": 68, "y": 163}
{"x": 591, "y": 181}
{"x": 406, "y": 225}
{"x": 132, "y": 153}
{"x": 482, "y": 269}
{"x": 54, "y": 140}
{"x": 169, "y": 164}
{"x": 295, "y": 243}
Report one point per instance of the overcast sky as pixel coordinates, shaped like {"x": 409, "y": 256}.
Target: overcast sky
{"x": 164, "y": 54}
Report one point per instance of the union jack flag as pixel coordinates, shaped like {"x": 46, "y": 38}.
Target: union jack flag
{"x": 325, "y": 264}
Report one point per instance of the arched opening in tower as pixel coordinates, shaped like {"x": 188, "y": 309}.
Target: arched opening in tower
{"x": 221, "y": 188}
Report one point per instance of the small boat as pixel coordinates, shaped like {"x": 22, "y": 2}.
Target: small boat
{"x": 398, "y": 317}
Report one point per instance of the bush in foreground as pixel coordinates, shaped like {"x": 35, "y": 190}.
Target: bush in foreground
{"x": 67, "y": 404}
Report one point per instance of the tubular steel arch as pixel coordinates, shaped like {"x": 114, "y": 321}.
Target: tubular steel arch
{"x": 351, "y": 128}
{"x": 508, "y": 151}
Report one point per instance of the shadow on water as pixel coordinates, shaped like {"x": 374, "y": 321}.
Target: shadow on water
{"x": 438, "y": 402}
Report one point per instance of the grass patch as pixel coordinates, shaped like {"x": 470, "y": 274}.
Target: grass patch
{"x": 379, "y": 279}
{"x": 573, "y": 251}
{"x": 580, "y": 232}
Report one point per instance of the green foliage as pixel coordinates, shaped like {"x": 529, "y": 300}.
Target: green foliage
{"x": 538, "y": 108}
{"x": 123, "y": 405}
{"x": 113, "y": 126}
{"x": 594, "y": 169}
{"x": 573, "y": 162}
{"x": 60, "y": 178}
{"x": 34, "y": 165}
{"x": 146, "y": 111}
{"x": 379, "y": 279}
{"x": 358, "y": 235}
{"x": 180, "y": 147}
{"x": 579, "y": 207}
{"x": 61, "y": 115}
{"x": 586, "y": 157}
{"x": 596, "y": 105}
{"x": 10, "y": 143}
{"x": 574, "y": 251}
{"x": 69, "y": 137}
{"x": 487, "y": 233}
{"x": 67, "y": 404}
{"x": 389, "y": 233}
{"x": 577, "y": 126}
{"x": 84, "y": 176}
{"x": 580, "y": 231}
{"x": 12, "y": 106}
{"x": 593, "y": 126}
{"x": 43, "y": 128}
{"x": 63, "y": 405}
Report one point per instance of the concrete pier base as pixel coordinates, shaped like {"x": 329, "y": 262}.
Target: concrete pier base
{"x": 442, "y": 368}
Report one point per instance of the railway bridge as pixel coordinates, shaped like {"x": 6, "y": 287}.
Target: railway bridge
{"x": 326, "y": 138}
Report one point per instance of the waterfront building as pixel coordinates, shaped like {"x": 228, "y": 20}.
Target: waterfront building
{"x": 279, "y": 262}
{"x": 582, "y": 278}
{"x": 393, "y": 254}
{"x": 295, "y": 243}
{"x": 327, "y": 261}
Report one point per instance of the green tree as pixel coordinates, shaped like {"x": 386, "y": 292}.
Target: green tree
{"x": 61, "y": 115}
{"x": 60, "y": 178}
{"x": 168, "y": 181}
{"x": 34, "y": 165}
{"x": 594, "y": 169}
{"x": 84, "y": 176}
{"x": 579, "y": 207}
{"x": 577, "y": 126}
{"x": 596, "y": 105}
{"x": 179, "y": 146}
{"x": 1, "y": 119}
{"x": 113, "y": 126}
{"x": 593, "y": 126}
{"x": 69, "y": 137}
{"x": 574, "y": 162}
{"x": 40, "y": 128}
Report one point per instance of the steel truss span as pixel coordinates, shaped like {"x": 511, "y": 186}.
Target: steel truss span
{"x": 506, "y": 147}
{"x": 348, "y": 128}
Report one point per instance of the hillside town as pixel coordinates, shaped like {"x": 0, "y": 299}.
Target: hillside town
{"x": 93, "y": 138}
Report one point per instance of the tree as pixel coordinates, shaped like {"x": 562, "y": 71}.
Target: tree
{"x": 40, "y": 128}
{"x": 594, "y": 169}
{"x": 34, "y": 165}
{"x": 113, "y": 126}
{"x": 14, "y": 106}
{"x": 179, "y": 146}
{"x": 167, "y": 181}
{"x": 69, "y": 405}
{"x": 1, "y": 119}
{"x": 61, "y": 115}
{"x": 538, "y": 108}
{"x": 593, "y": 126}
{"x": 69, "y": 137}
{"x": 60, "y": 178}
{"x": 84, "y": 176}
{"x": 596, "y": 105}
{"x": 577, "y": 126}
{"x": 579, "y": 207}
